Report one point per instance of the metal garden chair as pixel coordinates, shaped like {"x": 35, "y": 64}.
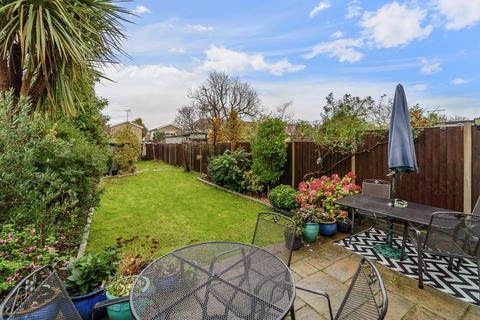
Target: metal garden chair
{"x": 451, "y": 235}
{"x": 376, "y": 188}
{"x": 275, "y": 233}
{"x": 366, "y": 297}
{"x": 42, "y": 296}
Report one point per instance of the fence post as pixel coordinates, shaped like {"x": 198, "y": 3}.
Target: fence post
{"x": 293, "y": 164}
{"x": 467, "y": 167}
{"x": 352, "y": 164}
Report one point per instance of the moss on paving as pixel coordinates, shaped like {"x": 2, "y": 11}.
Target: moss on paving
{"x": 172, "y": 206}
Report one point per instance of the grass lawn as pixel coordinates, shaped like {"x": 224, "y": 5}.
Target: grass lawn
{"x": 170, "y": 206}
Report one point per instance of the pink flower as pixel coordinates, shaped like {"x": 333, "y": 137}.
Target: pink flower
{"x": 351, "y": 175}
{"x": 302, "y": 187}
{"x": 327, "y": 193}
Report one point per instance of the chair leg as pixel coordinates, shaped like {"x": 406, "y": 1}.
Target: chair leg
{"x": 478, "y": 270}
{"x": 420, "y": 265}
{"x": 292, "y": 313}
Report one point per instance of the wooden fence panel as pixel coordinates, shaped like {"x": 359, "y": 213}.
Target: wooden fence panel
{"x": 439, "y": 154}
{"x": 475, "y": 165}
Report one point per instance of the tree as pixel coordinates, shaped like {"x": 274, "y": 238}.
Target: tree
{"x": 159, "y": 136}
{"x": 128, "y": 150}
{"x": 219, "y": 96}
{"x": 269, "y": 151}
{"x": 51, "y": 50}
{"x": 233, "y": 130}
{"x": 139, "y": 121}
{"x": 187, "y": 119}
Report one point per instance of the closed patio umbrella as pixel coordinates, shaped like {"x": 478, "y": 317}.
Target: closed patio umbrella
{"x": 401, "y": 158}
{"x": 401, "y": 150}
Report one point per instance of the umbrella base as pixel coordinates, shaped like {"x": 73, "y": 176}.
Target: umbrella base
{"x": 387, "y": 251}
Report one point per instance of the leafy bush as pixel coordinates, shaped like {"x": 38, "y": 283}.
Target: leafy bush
{"x": 251, "y": 183}
{"x": 128, "y": 150}
{"x": 227, "y": 170}
{"x": 21, "y": 254}
{"x": 90, "y": 271}
{"x": 283, "y": 197}
{"x": 269, "y": 151}
{"x": 323, "y": 192}
{"x": 49, "y": 172}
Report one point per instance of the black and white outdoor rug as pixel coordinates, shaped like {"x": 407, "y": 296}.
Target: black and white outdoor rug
{"x": 462, "y": 284}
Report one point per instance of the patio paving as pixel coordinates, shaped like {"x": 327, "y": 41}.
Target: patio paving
{"x": 330, "y": 268}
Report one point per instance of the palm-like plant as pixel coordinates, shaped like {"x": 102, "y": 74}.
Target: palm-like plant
{"x": 51, "y": 49}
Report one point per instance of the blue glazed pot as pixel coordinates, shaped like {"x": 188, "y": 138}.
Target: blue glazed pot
{"x": 85, "y": 303}
{"x": 328, "y": 229}
{"x": 310, "y": 232}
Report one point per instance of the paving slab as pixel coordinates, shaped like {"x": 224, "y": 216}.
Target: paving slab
{"x": 343, "y": 269}
{"x": 302, "y": 268}
{"x": 398, "y": 306}
{"x": 420, "y": 313}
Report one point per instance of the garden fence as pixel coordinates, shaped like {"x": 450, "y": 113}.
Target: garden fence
{"x": 448, "y": 158}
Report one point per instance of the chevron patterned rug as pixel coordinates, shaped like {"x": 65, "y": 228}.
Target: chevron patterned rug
{"x": 462, "y": 284}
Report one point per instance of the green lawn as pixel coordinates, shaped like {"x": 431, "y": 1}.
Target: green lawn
{"x": 172, "y": 206}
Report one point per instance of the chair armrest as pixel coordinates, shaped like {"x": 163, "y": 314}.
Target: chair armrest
{"x": 314, "y": 291}
{"x": 106, "y": 303}
{"x": 320, "y": 293}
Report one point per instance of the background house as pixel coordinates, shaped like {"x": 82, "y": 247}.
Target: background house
{"x": 137, "y": 129}
{"x": 168, "y": 130}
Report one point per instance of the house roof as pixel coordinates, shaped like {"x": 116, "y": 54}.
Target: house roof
{"x": 164, "y": 126}
{"x": 125, "y": 122}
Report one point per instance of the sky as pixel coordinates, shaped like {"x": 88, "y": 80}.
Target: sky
{"x": 298, "y": 51}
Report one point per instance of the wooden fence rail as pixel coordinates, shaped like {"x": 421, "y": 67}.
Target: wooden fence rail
{"x": 448, "y": 158}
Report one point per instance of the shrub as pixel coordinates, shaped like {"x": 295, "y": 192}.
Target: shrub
{"x": 49, "y": 171}
{"x": 283, "y": 197}
{"x": 227, "y": 170}
{"x": 128, "y": 150}
{"x": 90, "y": 271}
{"x": 269, "y": 151}
{"x": 251, "y": 183}
{"x": 323, "y": 192}
{"x": 21, "y": 254}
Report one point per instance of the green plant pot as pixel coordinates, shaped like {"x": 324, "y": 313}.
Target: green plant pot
{"x": 310, "y": 232}
{"x": 119, "y": 311}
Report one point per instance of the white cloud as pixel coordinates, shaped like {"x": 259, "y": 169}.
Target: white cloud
{"x": 337, "y": 35}
{"x": 353, "y": 9}
{"x": 199, "y": 28}
{"x": 395, "y": 25}
{"x": 459, "y": 13}
{"x": 152, "y": 92}
{"x": 343, "y": 49}
{"x": 458, "y": 81}
{"x": 430, "y": 67}
{"x": 141, "y": 9}
{"x": 223, "y": 59}
{"x": 323, "y": 5}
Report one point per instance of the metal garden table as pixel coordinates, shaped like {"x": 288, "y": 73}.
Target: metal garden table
{"x": 214, "y": 281}
{"x": 415, "y": 213}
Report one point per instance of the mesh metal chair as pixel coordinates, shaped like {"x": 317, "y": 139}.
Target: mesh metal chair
{"x": 454, "y": 236}
{"x": 275, "y": 233}
{"x": 376, "y": 188}
{"x": 366, "y": 297}
{"x": 42, "y": 296}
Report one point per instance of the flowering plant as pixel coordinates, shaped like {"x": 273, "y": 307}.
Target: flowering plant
{"x": 323, "y": 192}
{"x": 307, "y": 214}
{"x": 342, "y": 216}
{"x": 20, "y": 254}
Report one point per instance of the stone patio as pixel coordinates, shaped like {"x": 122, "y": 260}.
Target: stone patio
{"x": 330, "y": 268}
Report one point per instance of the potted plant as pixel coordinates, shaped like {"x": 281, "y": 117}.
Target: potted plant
{"x": 327, "y": 224}
{"x": 86, "y": 276}
{"x": 308, "y": 216}
{"x": 323, "y": 192}
{"x": 118, "y": 287}
{"x": 296, "y": 242}
{"x": 282, "y": 198}
{"x": 344, "y": 224}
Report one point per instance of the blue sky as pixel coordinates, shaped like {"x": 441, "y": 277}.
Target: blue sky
{"x": 299, "y": 51}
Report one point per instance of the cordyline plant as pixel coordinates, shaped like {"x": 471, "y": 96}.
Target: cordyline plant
{"x": 322, "y": 192}
{"x": 50, "y": 49}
